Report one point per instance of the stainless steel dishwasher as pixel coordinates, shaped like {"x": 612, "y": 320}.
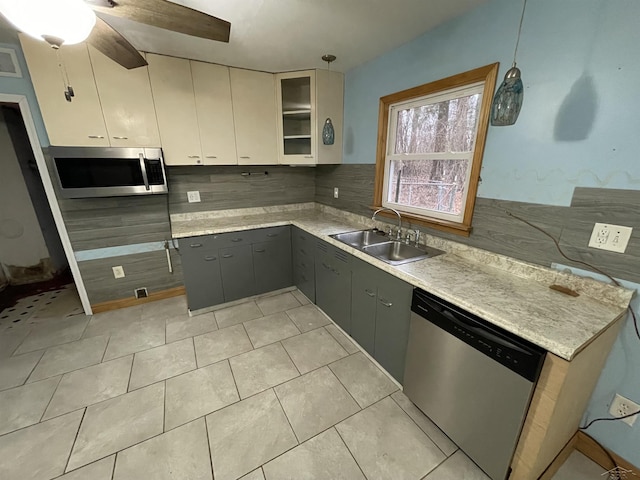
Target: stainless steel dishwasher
{"x": 473, "y": 379}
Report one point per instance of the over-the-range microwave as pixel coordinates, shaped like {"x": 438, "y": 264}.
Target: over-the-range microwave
{"x": 109, "y": 172}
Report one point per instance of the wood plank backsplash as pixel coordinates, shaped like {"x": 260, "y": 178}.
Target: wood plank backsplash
{"x": 224, "y": 187}
{"x": 496, "y": 231}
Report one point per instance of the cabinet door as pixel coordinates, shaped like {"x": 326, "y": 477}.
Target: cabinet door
{"x": 296, "y": 99}
{"x": 333, "y": 284}
{"x": 364, "y": 300}
{"x": 254, "y": 113}
{"x": 236, "y": 265}
{"x": 127, "y": 103}
{"x": 303, "y": 263}
{"x": 202, "y": 279}
{"x": 176, "y": 109}
{"x": 272, "y": 265}
{"x": 75, "y": 123}
{"x": 393, "y": 315}
{"x": 212, "y": 88}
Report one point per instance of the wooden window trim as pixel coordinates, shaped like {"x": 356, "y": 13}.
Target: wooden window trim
{"x": 487, "y": 74}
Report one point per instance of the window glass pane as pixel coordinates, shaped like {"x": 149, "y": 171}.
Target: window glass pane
{"x": 448, "y": 126}
{"x": 436, "y": 185}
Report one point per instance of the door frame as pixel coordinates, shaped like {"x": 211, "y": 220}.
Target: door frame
{"x": 27, "y": 118}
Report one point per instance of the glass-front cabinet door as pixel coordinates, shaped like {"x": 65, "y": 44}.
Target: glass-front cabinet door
{"x": 296, "y": 92}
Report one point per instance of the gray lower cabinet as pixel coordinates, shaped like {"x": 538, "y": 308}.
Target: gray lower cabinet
{"x": 236, "y": 266}
{"x": 303, "y": 246}
{"x": 272, "y": 265}
{"x": 380, "y": 315}
{"x": 202, "y": 278}
{"x": 333, "y": 283}
{"x": 229, "y": 266}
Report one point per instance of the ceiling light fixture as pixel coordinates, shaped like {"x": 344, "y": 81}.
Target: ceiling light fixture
{"x": 57, "y": 22}
{"x": 508, "y": 99}
{"x": 328, "y": 133}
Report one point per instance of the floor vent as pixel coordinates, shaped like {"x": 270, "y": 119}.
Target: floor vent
{"x": 141, "y": 292}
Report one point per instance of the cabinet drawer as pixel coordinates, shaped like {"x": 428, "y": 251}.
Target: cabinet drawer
{"x": 196, "y": 245}
{"x": 271, "y": 233}
{"x": 235, "y": 239}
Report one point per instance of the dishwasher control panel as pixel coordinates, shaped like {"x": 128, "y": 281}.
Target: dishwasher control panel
{"x": 507, "y": 349}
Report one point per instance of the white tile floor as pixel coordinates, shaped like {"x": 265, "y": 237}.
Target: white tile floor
{"x": 268, "y": 389}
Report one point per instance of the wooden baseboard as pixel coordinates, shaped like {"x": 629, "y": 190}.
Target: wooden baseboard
{"x": 590, "y": 448}
{"x": 131, "y": 301}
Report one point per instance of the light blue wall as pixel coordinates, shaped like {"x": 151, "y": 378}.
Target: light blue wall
{"x": 22, "y": 86}
{"x": 621, "y": 374}
{"x": 581, "y": 115}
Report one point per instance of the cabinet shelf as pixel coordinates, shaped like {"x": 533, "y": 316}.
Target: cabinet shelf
{"x": 293, "y": 137}
{"x": 297, "y": 112}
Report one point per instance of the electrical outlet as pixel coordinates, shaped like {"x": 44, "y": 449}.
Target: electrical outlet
{"x": 193, "y": 197}
{"x": 623, "y": 406}
{"x": 610, "y": 237}
{"x": 336, "y": 192}
{"x": 118, "y": 272}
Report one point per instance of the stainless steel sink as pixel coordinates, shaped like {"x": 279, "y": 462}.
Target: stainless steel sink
{"x": 378, "y": 245}
{"x": 397, "y": 253}
{"x": 361, "y": 238}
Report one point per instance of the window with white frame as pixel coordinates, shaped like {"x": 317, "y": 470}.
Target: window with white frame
{"x": 434, "y": 139}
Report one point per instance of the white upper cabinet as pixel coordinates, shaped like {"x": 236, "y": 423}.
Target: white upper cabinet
{"x": 305, "y": 100}
{"x": 214, "y": 109}
{"x": 176, "y": 109}
{"x": 254, "y": 113}
{"x": 127, "y": 103}
{"x": 76, "y": 123}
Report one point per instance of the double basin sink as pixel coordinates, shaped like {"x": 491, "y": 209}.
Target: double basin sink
{"x": 380, "y": 246}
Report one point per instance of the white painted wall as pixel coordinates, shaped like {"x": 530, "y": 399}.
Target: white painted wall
{"x": 21, "y": 240}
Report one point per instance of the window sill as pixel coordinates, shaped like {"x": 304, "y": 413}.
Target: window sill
{"x": 437, "y": 224}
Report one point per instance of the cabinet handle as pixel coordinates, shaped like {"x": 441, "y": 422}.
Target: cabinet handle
{"x": 370, "y": 293}
{"x": 385, "y": 303}
{"x": 210, "y": 156}
{"x": 209, "y": 259}
{"x": 272, "y": 234}
{"x": 193, "y": 156}
{"x": 195, "y": 245}
{"x": 227, "y": 255}
{"x": 302, "y": 251}
{"x": 245, "y": 157}
{"x": 303, "y": 278}
{"x": 236, "y": 240}
{"x": 96, "y": 136}
{"x": 260, "y": 251}
{"x": 326, "y": 266}
{"x": 303, "y": 265}
{"x": 121, "y": 138}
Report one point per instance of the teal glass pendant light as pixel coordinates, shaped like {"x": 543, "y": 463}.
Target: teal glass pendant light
{"x": 328, "y": 133}
{"x": 508, "y": 99}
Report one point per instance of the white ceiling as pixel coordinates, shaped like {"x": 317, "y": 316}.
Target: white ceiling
{"x": 284, "y": 35}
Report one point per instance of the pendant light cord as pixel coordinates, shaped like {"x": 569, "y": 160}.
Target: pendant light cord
{"x": 524, "y": 6}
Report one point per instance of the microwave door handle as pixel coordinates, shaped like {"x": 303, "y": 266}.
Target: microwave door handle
{"x": 143, "y": 168}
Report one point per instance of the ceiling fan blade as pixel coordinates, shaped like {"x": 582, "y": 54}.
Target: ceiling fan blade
{"x": 167, "y": 15}
{"x": 115, "y": 46}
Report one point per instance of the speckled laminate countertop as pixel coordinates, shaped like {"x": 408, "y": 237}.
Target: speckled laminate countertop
{"x": 509, "y": 293}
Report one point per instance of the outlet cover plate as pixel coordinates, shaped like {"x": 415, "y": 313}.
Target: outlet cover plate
{"x": 613, "y": 238}
{"x": 621, "y": 406}
{"x": 193, "y": 197}
{"x": 118, "y": 272}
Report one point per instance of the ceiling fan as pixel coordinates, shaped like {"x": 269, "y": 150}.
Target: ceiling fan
{"x": 64, "y": 22}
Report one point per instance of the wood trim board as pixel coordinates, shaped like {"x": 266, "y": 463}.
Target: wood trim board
{"x": 131, "y": 301}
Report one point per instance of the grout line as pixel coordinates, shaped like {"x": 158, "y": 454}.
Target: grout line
{"x": 286, "y": 416}
{"x": 206, "y": 429}
{"x": 349, "y": 450}
{"x": 30, "y": 372}
{"x": 235, "y": 384}
{"x": 421, "y": 429}
{"x": 66, "y": 465}
{"x": 130, "y": 374}
{"x": 343, "y": 385}
{"x": 113, "y": 467}
{"x": 164, "y": 406}
{"x": 105, "y": 349}
{"x": 288, "y": 355}
{"x": 246, "y": 332}
{"x": 49, "y": 402}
